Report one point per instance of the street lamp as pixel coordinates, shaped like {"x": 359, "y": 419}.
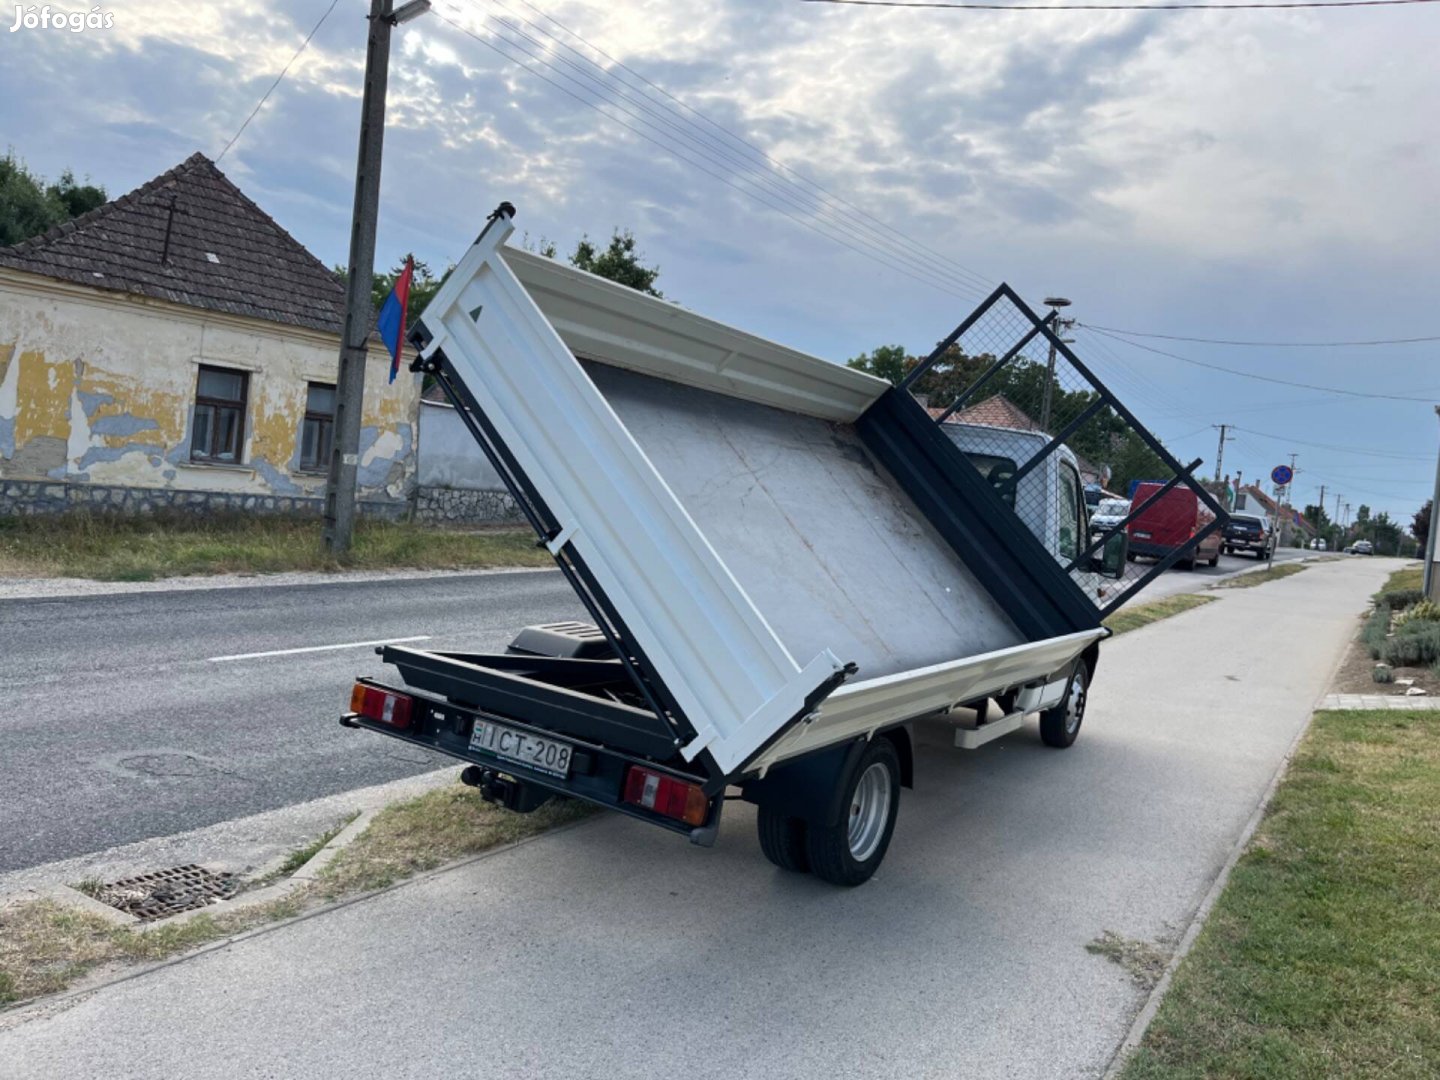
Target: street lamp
{"x": 1054, "y": 303}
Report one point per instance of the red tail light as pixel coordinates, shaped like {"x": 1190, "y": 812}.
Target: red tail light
{"x": 666, "y": 795}
{"x": 382, "y": 706}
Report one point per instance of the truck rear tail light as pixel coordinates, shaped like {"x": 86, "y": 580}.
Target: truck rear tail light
{"x": 665, "y": 795}
{"x": 382, "y": 706}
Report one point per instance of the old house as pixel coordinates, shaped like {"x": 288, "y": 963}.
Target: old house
{"x": 177, "y": 347}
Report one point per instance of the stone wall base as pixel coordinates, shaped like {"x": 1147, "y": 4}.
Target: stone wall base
{"x": 56, "y": 497}
{"x": 458, "y": 506}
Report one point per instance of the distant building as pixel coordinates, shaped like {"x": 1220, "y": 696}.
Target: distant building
{"x": 177, "y": 347}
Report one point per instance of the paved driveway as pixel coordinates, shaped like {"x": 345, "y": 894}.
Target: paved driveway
{"x": 615, "y": 950}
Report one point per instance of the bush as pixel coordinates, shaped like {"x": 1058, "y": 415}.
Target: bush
{"x": 1383, "y": 674}
{"x": 1424, "y": 611}
{"x": 1416, "y": 643}
{"x": 1400, "y": 599}
{"x": 1376, "y": 630}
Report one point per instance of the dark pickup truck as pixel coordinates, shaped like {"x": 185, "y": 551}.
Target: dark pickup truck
{"x": 1247, "y": 533}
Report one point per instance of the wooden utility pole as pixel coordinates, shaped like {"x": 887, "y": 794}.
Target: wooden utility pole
{"x": 1220, "y": 450}
{"x": 359, "y": 314}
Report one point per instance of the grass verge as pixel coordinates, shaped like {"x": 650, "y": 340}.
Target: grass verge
{"x": 45, "y": 946}
{"x": 1322, "y": 956}
{"x": 1404, "y": 580}
{"x": 112, "y": 548}
{"x": 1260, "y": 577}
{"x": 1138, "y": 615}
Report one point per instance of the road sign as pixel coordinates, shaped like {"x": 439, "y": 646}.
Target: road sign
{"x": 1282, "y": 474}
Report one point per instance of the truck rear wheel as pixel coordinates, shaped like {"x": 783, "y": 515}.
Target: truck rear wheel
{"x": 1060, "y": 726}
{"x": 782, "y": 839}
{"x": 850, "y": 851}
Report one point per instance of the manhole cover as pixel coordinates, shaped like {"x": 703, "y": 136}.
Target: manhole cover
{"x": 168, "y": 892}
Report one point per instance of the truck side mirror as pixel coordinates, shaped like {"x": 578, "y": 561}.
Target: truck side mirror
{"x": 1111, "y": 560}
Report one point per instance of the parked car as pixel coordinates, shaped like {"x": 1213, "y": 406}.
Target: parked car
{"x": 1318, "y": 544}
{"x": 1364, "y": 547}
{"x": 1108, "y": 514}
{"x": 1169, "y": 522}
{"x": 1246, "y": 532}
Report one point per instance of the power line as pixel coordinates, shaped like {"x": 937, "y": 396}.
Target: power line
{"x": 1123, "y": 7}
{"x": 960, "y": 268}
{"x": 1267, "y": 344}
{"x": 850, "y": 242}
{"x": 722, "y": 156}
{"x": 1252, "y": 375}
{"x": 1392, "y": 455}
{"x": 278, "y": 79}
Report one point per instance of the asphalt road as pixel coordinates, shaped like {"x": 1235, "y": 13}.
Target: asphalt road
{"x": 122, "y": 726}
{"x": 1180, "y": 581}
{"x": 119, "y": 725}
{"x": 615, "y": 949}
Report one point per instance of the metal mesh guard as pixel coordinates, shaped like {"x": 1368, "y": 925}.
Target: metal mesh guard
{"x": 1100, "y": 492}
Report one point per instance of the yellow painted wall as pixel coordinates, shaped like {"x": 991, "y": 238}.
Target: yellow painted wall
{"x": 98, "y": 387}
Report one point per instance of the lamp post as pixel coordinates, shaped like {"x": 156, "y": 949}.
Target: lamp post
{"x": 1055, "y": 304}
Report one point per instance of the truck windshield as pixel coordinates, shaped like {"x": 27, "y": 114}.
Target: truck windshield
{"x": 997, "y": 470}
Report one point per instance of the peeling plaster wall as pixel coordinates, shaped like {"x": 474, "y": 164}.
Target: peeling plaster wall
{"x": 99, "y": 388}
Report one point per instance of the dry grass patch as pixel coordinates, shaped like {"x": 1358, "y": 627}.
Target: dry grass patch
{"x": 430, "y": 830}
{"x": 113, "y": 548}
{"x": 1252, "y": 578}
{"x": 1144, "y": 961}
{"x": 1137, "y": 615}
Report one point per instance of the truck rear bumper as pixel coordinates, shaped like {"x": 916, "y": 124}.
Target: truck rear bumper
{"x": 596, "y": 773}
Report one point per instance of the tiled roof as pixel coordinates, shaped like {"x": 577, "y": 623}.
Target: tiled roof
{"x": 998, "y": 411}
{"x": 224, "y": 253}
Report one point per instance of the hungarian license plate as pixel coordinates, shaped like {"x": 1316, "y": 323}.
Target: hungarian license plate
{"x": 544, "y": 755}
{"x": 1141, "y": 535}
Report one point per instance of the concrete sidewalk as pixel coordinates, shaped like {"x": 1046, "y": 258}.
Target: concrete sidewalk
{"x": 613, "y": 949}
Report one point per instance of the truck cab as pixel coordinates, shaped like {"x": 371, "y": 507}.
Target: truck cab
{"x": 1050, "y": 499}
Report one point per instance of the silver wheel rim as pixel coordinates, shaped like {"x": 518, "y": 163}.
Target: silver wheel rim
{"x": 1075, "y": 704}
{"x": 869, "y": 811}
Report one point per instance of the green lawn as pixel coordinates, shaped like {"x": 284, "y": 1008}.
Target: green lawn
{"x": 1252, "y": 578}
{"x": 1322, "y": 956}
{"x": 1134, "y": 616}
{"x": 146, "y": 548}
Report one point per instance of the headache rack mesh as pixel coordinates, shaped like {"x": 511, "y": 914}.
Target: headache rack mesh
{"x": 1016, "y": 399}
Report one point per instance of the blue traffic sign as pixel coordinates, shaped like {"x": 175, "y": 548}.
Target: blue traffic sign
{"x": 1282, "y": 474}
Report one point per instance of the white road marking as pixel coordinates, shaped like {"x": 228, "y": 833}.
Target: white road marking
{"x": 316, "y": 648}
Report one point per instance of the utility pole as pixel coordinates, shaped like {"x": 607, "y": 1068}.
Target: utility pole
{"x": 1432, "y": 550}
{"x": 1220, "y": 450}
{"x": 354, "y": 338}
{"x": 1054, "y": 303}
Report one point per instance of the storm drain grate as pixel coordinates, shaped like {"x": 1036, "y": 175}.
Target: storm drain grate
{"x": 168, "y": 892}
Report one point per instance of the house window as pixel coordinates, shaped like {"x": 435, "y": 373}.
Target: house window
{"x": 319, "y": 427}
{"x": 219, "y": 430}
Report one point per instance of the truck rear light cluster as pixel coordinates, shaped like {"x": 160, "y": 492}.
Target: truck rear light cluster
{"x": 666, "y": 795}
{"x": 382, "y": 706}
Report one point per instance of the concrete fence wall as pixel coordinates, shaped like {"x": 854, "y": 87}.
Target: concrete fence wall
{"x": 457, "y": 484}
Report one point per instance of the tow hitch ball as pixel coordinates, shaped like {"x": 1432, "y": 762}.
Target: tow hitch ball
{"x": 502, "y": 790}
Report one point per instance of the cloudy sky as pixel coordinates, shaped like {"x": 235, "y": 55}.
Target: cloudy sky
{"x": 1266, "y": 176}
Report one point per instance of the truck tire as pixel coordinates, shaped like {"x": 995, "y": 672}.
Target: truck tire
{"x": 850, "y": 851}
{"x": 782, "y": 839}
{"x": 1214, "y": 560}
{"x": 1060, "y": 726}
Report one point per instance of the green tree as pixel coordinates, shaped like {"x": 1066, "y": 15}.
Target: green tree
{"x": 1318, "y": 518}
{"x": 1420, "y": 524}
{"x": 619, "y": 262}
{"x": 28, "y": 207}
